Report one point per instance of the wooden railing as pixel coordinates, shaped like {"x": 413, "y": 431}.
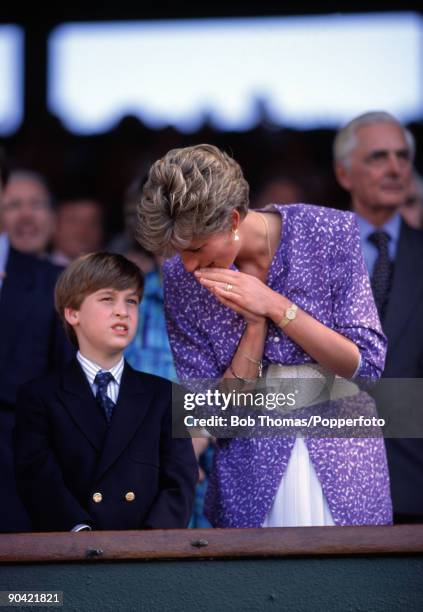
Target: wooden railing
{"x": 210, "y": 543}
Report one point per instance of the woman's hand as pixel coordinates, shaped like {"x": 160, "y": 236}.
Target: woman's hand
{"x": 244, "y": 293}
{"x": 250, "y": 317}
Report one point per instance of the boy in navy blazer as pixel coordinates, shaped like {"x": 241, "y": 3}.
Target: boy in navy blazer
{"x": 93, "y": 442}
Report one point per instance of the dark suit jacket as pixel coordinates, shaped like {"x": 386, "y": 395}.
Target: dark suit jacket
{"x": 32, "y": 343}
{"x": 32, "y": 339}
{"x": 66, "y": 452}
{"x": 403, "y": 325}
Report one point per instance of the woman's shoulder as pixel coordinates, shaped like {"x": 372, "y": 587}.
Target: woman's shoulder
{"x": 310, "y": 222}
{"x": 313, "y": 214}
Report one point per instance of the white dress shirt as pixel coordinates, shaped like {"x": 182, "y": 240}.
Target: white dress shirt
{"x": 91, "y": 370}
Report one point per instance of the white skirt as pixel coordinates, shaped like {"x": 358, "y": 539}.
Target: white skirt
{"x": 299, "y": 500}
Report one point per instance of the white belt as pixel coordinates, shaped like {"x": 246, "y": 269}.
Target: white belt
{"x": 318, "y": 384}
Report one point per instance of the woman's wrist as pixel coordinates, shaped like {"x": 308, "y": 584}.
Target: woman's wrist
{"x": 277, "y": 307}
{"x": 258, "y": 327}
{"x": 247, "y": 364}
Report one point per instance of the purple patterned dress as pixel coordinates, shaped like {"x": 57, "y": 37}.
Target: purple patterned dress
{"x": 319, "y": 266}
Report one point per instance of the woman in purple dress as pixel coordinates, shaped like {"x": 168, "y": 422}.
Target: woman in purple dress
{"x": 284, "y": 288}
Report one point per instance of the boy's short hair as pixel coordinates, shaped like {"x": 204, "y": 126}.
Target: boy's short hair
{"x": 89, "y": 274}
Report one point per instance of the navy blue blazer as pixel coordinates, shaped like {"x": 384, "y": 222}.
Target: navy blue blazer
{"x": 32, "y": 343}
{"x": 403, "y": 326}
{"x": 32, "y": 338}
{"x": 73, "y": 468}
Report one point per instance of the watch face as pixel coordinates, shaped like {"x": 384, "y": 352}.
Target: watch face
{"x": 290, "y": 314}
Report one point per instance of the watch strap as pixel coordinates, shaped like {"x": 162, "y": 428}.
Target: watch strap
{"x": 290, "y": 314}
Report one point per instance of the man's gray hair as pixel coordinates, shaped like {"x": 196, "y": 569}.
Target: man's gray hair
{"x": 346, "y": 138}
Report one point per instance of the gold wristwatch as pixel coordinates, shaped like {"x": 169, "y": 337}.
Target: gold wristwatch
{"x": 290, "y": 315}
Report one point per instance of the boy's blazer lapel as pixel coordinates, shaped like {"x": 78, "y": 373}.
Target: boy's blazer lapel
{"x": 130, "y": 410}
{"x": 78, "y": 399}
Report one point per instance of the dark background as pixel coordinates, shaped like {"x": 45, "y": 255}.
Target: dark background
{"x": 104, "y": 165}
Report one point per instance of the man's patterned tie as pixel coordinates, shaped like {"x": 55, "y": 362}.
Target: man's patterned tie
{"x": 102, "y": 380}
{"x": 382, "y": 272}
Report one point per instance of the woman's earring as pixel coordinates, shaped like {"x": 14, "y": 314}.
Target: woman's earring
{"x": 235, "y": 235}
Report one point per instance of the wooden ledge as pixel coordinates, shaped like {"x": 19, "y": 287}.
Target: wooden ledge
{"x": 210, "y": 543}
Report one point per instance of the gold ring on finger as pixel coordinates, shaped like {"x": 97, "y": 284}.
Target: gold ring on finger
{"x": 229, "y": 287}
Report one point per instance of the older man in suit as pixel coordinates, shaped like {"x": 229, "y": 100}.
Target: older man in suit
{"x": 32, "y": 342}
{"x": 373, "y": 161}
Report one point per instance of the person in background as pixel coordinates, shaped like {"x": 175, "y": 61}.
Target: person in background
{"x": 27, "y": 212}
{"x": 125, "y": 241}
{"x": 284, "y": 190}
{"x": 32, "y": 341}
{"x": 373, "y": 156}
{"x": 79, "y": 229}
{"x": 412, "y": 209}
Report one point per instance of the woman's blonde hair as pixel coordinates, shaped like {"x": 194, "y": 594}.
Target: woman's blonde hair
{"x": 189, "y": 192}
